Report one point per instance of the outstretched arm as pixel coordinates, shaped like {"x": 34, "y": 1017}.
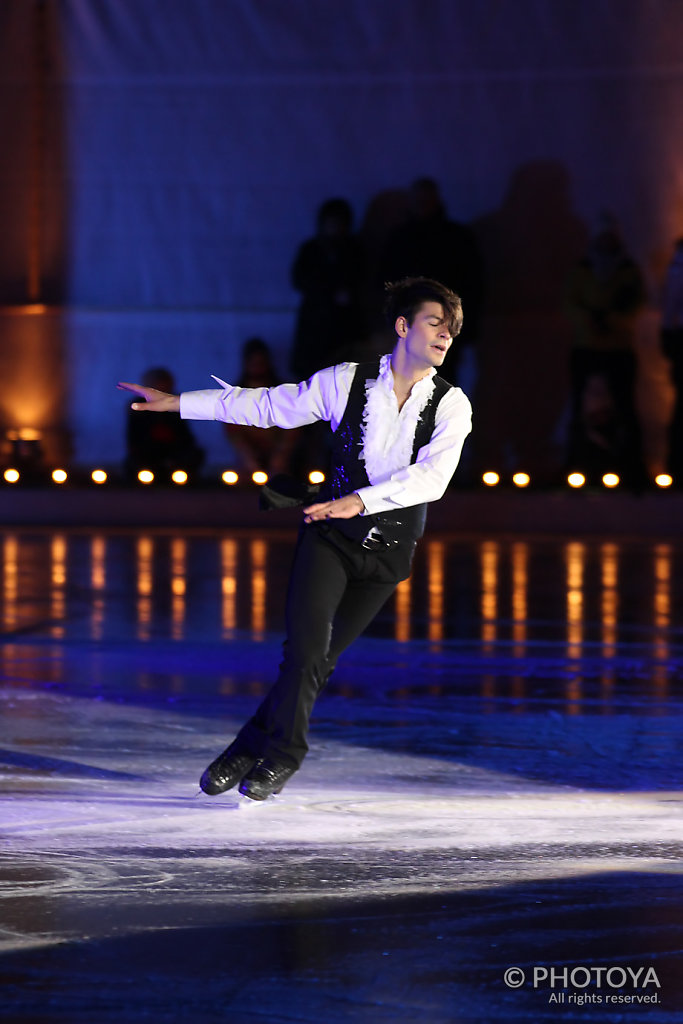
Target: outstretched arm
{"x": 154, "y": 401}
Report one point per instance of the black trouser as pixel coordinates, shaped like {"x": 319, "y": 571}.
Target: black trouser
{"x": 335, "y": 590}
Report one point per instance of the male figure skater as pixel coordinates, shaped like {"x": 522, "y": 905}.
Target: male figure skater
{"x": 398, "y": 433}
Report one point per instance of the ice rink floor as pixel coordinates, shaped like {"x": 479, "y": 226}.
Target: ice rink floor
{"x": 493, "y": 786}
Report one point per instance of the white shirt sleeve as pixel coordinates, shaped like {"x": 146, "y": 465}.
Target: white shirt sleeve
{"x": 427, "y": 478}
{"x": 322, "y": 397}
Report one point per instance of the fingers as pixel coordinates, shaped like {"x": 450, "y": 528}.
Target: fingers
{"x": 341, "y": 508}
{"x": 154, "y": 401}
{"x": 319, "y": 506}
{"x": 323, "y": 510}
{"x": 137, "y": 389}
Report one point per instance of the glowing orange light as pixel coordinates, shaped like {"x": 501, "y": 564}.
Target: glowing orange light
{"x": 610, "y": 480}
{"x": 31, "y": 309}
{"x": 259, "y": 477}
{"x": 23, "y": 434}
{"x": 521, "y": 479}
{"x": 664, "y": 480}
{"x": 576, "y": 479}
{"x": 491, "y": 479}
{"x": 59, "y": 476}
{"x": 11, "y": 475}
{"x": 98, "y": 476}
{"x": 229, "y": 477}
{"x": 436, "y": 573}
{"x": 145, "y": 476}
{"x": 179, "y": 476}
{"x": 316, "y": 477}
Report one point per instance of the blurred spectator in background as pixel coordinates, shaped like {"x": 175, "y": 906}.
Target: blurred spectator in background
{"x": 672, "y": 346}
{"x": 604, "y": 296}
{"x": 256, "y": 449}
{"x": 329, "y": 271}
{"x": 431, "y": 245}
{"x": 598, "y": 444}
{"x": 161, "y": 443}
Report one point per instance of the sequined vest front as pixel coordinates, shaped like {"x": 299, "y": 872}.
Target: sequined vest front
{"x": 348, "y": 473}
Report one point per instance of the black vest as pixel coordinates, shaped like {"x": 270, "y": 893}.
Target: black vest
{"x": 347, "y": 469}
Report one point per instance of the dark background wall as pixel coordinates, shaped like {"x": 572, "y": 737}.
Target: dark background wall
{"x": 164, "y": 158}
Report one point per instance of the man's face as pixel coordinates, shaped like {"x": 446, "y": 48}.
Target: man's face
{"x": 427, "y": 339}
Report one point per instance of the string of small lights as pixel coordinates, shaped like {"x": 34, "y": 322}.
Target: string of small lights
{"x": 575, "y": 480}
{"x": 180, "y": 477}
{"x": 490, "y": 479}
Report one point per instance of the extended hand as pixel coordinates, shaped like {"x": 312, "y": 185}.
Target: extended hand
{"x": 154, "y": 401}
{"x": 342, "y": 508}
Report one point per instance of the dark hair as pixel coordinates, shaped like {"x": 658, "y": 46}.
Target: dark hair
{"x": 338, "y": 209}
{"x": 255, "y": 346}
{"x": 404, "y": 298}
{"x": 158, "y": 377}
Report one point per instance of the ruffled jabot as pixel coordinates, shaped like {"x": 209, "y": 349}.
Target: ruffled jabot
{"x": 389, "y": 435}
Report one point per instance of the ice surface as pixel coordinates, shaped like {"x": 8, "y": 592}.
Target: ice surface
{"x": 471, "y": 802}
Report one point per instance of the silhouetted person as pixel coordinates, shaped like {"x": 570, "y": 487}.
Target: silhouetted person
{"x": 256, "y": 449}
{"x": 433, "y": 246}
{"x": 160, "y": 443}
{"x": 329, "y": 272}
{"x": 672, "y": 345}
{"x": 605, "y": 294}
{"x": 598, "y": 444}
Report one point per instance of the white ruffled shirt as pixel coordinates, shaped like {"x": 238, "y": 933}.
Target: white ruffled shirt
{"x": 388, "y": 434}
